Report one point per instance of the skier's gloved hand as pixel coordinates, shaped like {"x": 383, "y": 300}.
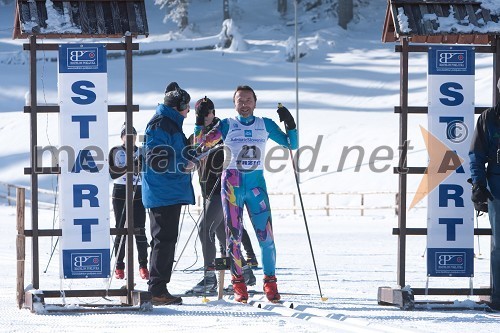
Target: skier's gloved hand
{"x": 202, "y": 109}
{"x": 286, "y": 117}
{"x": 480, "y": 194}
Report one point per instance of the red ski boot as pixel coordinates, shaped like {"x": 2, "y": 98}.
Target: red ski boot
{"x": 271, "y": 289}
{"x": 144, "y": 273}
{"x": 240, "y": 289}
{"x": 119, "y": 273}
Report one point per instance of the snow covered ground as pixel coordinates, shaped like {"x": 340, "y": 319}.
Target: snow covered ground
{"x": 354, "y": 255}
{"x": 349, "y": 84}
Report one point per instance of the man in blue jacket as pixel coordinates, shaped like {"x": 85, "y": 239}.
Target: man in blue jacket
{"x": 166, "y": 187}
{"x": 484, "y": 157}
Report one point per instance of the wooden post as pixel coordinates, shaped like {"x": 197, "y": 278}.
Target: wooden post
{"x": 8, "y": 194}
{"x": 20, "y": 245}
{"x": 328, "y": 204}
{"x": 345, "y": 12}
{"x": 362, "y": 204}
{"x": 129, "y": 204}
{"x": 396, "y": 204}
{"x": 35, "y": 168}
{"x": 402, "y": 185}
{"x": 220, "y": 289}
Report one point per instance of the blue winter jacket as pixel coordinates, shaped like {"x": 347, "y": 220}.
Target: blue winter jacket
{"x": 484, "y": 153}
{"x": 165, "y": 181}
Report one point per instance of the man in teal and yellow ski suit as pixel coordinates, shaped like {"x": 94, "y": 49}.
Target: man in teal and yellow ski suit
{"x": 243, "y": 181}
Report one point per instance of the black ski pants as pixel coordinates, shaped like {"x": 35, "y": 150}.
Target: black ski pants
{"x": 119, "y": 195}
{"x": 164, "y": 223}
{"x": 211, "y": 225}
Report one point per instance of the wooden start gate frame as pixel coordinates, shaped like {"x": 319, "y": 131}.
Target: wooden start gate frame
{"x": 123, "y": 19}
{"x": 422, "y": 33}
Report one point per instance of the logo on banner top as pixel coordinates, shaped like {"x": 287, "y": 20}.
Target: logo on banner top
{"x": 444, "y": 60}
{"x": 82, "y": 58}
{"x": 456, "y": 59}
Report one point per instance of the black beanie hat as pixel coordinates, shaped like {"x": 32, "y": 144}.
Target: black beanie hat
{"x": 204, "y": 103}
{"x": 124, "y": 130}
{"x": 176, "y": 97}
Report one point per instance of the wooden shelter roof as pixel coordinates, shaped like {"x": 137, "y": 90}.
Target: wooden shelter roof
{"x": 441, "y": 21}
{"x": 80, "y": 19}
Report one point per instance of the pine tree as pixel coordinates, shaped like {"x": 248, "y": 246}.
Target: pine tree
{"x": 177, "y": 11}
{"x": 282, "y": 7}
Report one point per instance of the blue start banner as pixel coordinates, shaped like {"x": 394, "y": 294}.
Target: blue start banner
{"x": 450, "y": 216}
{"x": 84, "y": 179}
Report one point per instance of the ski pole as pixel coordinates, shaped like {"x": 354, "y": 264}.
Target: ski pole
{"x": 57, "y": 240}
{"x": 206, "y": 230}
{"x": 204, "y": 245}
{"x": 477, "y": 226}
{"x": 122, "y": 237}
{"x": 194, "y": 228}
{"x": 51, "y": 255}
{"x": 187, "y": 241}
{"x": 304, "y": 214}
{"x": 122, "y": 217}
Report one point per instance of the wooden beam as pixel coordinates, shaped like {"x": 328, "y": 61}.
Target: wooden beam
{"x": 63, "y": 35}
{"x": 55, "y": 46}
{"x": 58, "y": 232}
{"x": 435, "y": 2}
{"x": 425, "y": 48}
{"x": 451, "y": 291}
{"x": 84, "y": 293}
{"x": 423, "y": 109}
{"x": 401, "y": 298}
{"x": 92, "y": 0}
{"x": 42, "y": 170}
{"x": 409, "y": 170}
{"x": 423, "y": 231}
{"x": 55, "y": 108}
{"x": 389, "y": 32}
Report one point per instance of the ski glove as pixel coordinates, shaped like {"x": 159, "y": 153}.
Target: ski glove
{"x": 286, "y": 117}
{"x": 480, "y": 194}
{"x": 202, "y": 111}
